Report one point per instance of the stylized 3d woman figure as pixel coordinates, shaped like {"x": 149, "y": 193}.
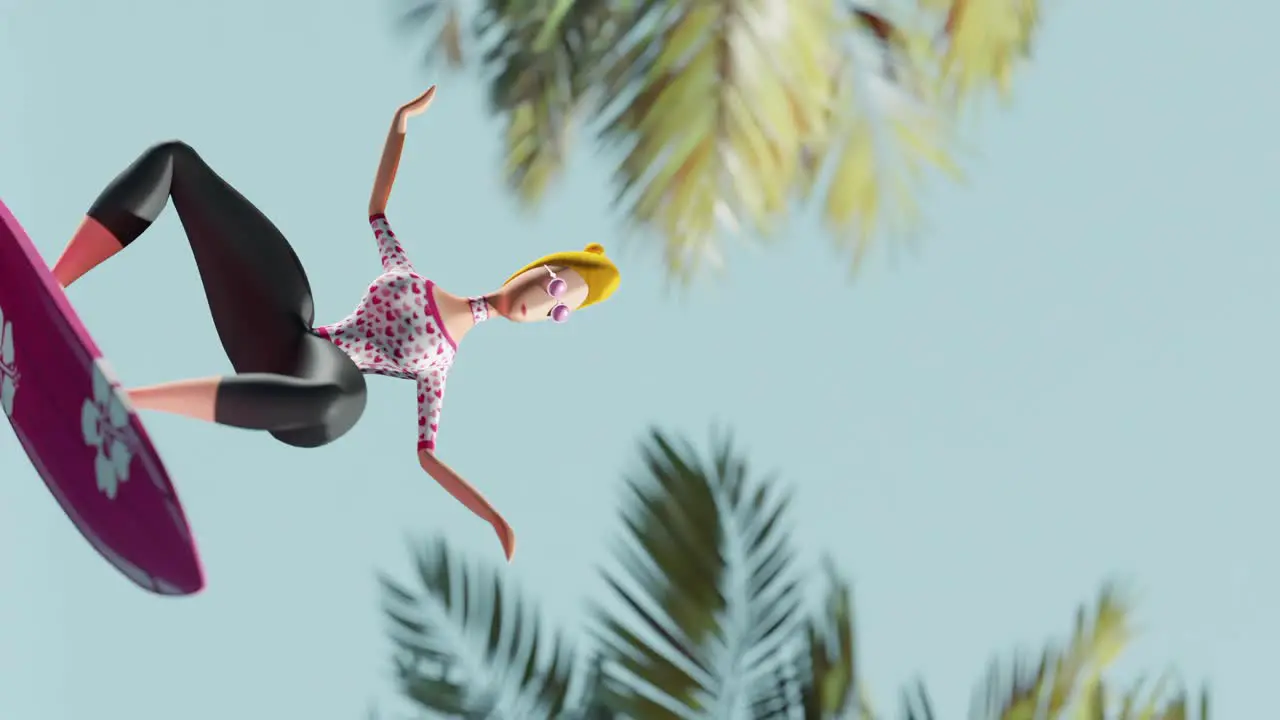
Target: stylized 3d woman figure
{"x": 304, "y": 384}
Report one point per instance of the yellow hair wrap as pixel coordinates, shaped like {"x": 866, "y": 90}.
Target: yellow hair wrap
{"x": 599, "y": 271}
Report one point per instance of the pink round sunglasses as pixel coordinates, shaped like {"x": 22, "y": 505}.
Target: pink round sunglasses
{"x": 556, "y": 288}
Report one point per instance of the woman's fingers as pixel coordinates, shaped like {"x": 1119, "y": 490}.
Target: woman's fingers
{"x": 506, "y": 536}
{"x": 421, "y": 102}
{"x": 414, "y": 107}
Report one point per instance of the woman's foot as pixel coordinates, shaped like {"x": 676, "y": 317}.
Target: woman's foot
{"x": 193, "y": 398}
{"x": 89, "y": 247}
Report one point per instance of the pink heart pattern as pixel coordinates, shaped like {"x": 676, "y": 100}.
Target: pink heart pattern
{"x": 397, "y": 331}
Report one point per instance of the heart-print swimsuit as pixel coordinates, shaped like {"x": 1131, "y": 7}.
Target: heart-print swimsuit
{"x": 397, "y": 331}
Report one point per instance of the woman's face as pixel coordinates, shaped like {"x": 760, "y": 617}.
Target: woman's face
{"x": 531, "y": 295}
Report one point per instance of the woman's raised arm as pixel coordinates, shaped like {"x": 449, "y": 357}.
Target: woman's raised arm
{"x": 390, "y": 162}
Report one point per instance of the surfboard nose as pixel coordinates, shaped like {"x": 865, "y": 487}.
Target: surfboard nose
{"x": 174, "y": 570}
{"x": 182, "y": 574}
{"x": 187, "y": 584}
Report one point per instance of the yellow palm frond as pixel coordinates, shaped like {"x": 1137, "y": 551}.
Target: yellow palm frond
{"x": 716, "y": 117}
{"x": 1092, "y": 704}
{"x": 1093, "y": 648}
{"x": 1067, "y": 676}
{"x": 984, "y": 42}
{"x": 885, "y": 134}
{"x": 729, "y": 113}
{"x": 1157, "y": 704}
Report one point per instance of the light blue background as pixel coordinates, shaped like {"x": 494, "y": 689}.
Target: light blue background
{"x": 1075, "y": 376}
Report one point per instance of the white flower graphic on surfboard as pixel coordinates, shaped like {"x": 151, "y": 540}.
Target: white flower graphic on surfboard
{"x": 8, "y": 367}
{"x": 105, "y": 419}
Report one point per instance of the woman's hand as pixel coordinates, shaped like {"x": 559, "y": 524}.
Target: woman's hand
{"x": 416, "y": 106}
{"x": 506, "y": 535}
{"x": 464, "y": 493}
{"x": 390, "y": 162}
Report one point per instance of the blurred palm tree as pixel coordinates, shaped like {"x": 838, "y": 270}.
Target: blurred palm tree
{"x": 707, "y": 619}
{"x": 723, "y": 116}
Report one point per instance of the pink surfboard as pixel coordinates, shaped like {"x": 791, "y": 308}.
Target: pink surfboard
{"x": 75, "y": 423}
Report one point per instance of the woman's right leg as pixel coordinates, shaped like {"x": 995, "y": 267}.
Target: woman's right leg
{"x": 300, "y": 387}
{"x": 300, "y": 411}
{"x": 250, "y": 401}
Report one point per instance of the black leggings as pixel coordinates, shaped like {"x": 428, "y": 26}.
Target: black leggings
{"x": 291, "y": 382}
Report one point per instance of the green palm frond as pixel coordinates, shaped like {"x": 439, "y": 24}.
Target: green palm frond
{"x": 831, "y": 688}
{"x": 469, "y": 647}
{"x": 539, "y": 57}
{"x": 717, "y": 101}
{"x": 542, "y": 62}
{"x": 704, "y": 621}
{"x": 1062, "y": 676}
{"x": 706, "y": 574}
{"x": 916, "y": 704}
{"x": 821, "y": 682}
{"x": 781, "y": 694}
{"x": 594, "y": 697}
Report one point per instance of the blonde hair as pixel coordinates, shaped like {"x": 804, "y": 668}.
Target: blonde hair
{"x": 599, "y": 272}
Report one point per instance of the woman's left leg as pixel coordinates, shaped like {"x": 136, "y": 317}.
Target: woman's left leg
{"x": 300, "y": 387}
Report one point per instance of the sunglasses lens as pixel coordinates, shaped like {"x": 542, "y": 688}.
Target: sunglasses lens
{"x": 556, "y": 287}
{"x": 560, "y": 313}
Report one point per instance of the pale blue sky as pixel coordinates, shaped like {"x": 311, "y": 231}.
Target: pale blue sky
{"x": 1075, "y": 377}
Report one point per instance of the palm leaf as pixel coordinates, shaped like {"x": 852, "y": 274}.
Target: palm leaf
{"x": 542, "y": 61}
{"x": 593, "y": 700}
{"x": 1156, "y": 704}
{"x": 884, "y": 131}
{"x": 706, "y": 579}
{"x": 821, "y": 681}
{"x": 1062, "y": 676}
{"x": 916, "y": 704}
{"x": 724, "y": 113}
{"x": 781, "y": 695}
{"x": 1092, "y": 702}
{"x": 439, "y": 20}
{"x": 466, "y": 647}
{"x": 984, "y": 41}
{"x": 832, "y": 688}
{"x": 538, "y": 58}
{"x": 716, "y": 100}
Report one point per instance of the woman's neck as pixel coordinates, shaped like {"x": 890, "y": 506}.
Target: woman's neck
{"x": 499, "y": 303}
{"x": 457, "y": 315}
